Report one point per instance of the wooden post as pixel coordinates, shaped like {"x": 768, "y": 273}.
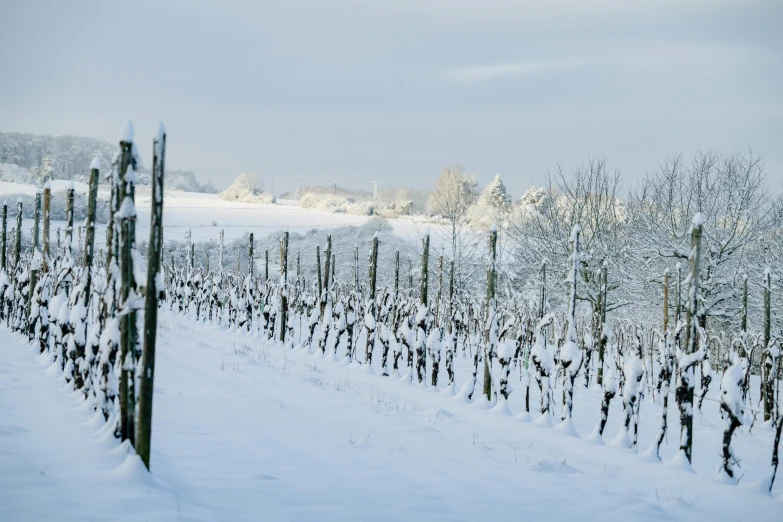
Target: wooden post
{"x": 327, "y": 268}
{"x": 37, "y": 220}
{"x": 69, "y": 221}
{"x": 491, "y": 279}
{"x": 250, "y": 263}
{"x": 371, "y": 332}
{"x": 207, "y": 267}
{"x": 284, "y": 278}
{"x": 18, "y": 248}
{"x": 298, "y": 252}
{"x": 425, "y": 262}
{"x": 47, "y": 205}
{"x": 451, "y": 299}
{"x": 356, "y": 268}
{"x": 396, "y": 273}
{"x": 687, "y": 378}
{"x": 5, "y": 238}
{"x": 266, "y": 265}
{"x": 744, "y": 303}
{"x": 440, "y": 289}
{"x": 128, "y": 333}
{"x": 318, "y": 269}
{"x": 542, "y": 296}
{"x": 767, "y": 391}
{"x": 146, "y": 381}
{"x": 92, "y": 197}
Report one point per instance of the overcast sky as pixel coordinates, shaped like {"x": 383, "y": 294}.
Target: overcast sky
{"x": 355, "y": 91}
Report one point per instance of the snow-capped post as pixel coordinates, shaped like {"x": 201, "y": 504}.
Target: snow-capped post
{"x": 570, "y": 353}
{"x": 490, "y": 332}
{"x": 155, "y": 291}
{"x": 767, "y": 367}
{"x": 18, "y": 234}
{"x": 370, "y": 317}
{"x": 92, "y": 198}
{"x": 128, "y": 334}
{"x": 284, "y": 286}
{"x": 690, "y": 357}
{"x": 250, "y": 263}
{"x": 5, "y": 239}
{"x": 36, "y": 220}
{"x": 47, "y": 205}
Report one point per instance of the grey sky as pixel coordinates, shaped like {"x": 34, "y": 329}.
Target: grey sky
{"x": 394, "y": 90}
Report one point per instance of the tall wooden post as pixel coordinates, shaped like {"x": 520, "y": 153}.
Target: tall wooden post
{"x": 425, "y": 262}
{"x": 284, "y": 281}
{"x": 37, "y": 220}
{"x": 18, "y": 248}
{"x": 92, "y": 197}
{"x": 767, "y": 390}
{"x": 146, "y": 381}
{"x": 47, "y": 205}
{"x": 491, "y": 279}
{"x": 410, "y": 276}
{"x": 318, "y": 270}
{"x": 744, "y": 303}
{"x": 298, "y": 252}
{"x": 356, "y": 268}
{"x": 327, "y": 269}
{"x": 69, "y": 221}
{"x": 5, "y": 238}
{"x": 250, "y": 263}
{"x": 686, "y": 378}
{"x": 128, "y": 333}
{"x": 396, "y": 273}
{"x": 371, "y": 300}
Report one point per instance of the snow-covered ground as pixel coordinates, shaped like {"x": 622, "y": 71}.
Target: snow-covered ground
{"x": 245, "y": 430}
{"x": 206, "y": 216}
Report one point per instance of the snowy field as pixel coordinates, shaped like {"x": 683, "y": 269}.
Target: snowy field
{"x": 206, "y": 216}
{"x": 244, "y": 430}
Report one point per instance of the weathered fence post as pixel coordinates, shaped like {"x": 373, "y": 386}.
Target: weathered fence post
{"x": 284, "y": 283}
{"x": 146, "y": 380}
{"x": 37, "y": 220}
{"x": 92, "y": 197}
{"x": 47, "y": 206}
{"x": 250, "y": 263}
{"x": 128, "y": 334}
{"x": 489, "y": 348}
{"x": 5, "y": 238}
{"x": 767, "y": 389}
{"x": 685, "y": 386}
{"x": 371, "y": 328}
{"x": 18, "y": 247}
